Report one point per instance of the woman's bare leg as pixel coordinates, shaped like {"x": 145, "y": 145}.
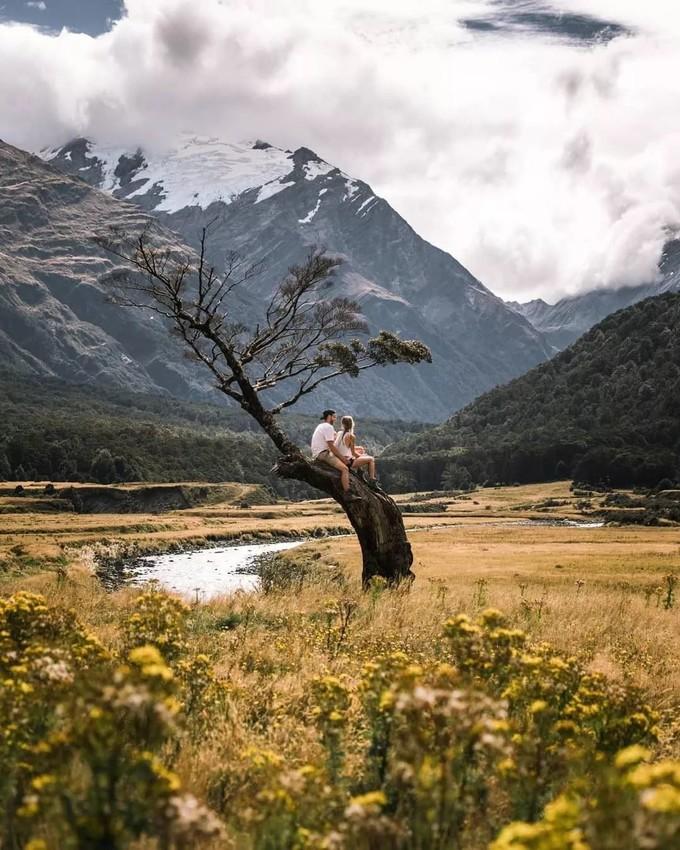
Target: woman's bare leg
{"x": 365, "y": 460}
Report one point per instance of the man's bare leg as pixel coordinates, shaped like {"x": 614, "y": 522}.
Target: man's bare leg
{"x": 342, "y": 468}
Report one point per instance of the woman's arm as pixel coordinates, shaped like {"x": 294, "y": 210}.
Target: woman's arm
{"x": 350, "y": 441}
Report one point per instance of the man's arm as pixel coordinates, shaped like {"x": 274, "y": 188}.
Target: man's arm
{"x": 334, "y": 450}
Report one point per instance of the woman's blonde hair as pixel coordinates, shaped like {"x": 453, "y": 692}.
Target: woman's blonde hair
{"x": 347, "y": 424}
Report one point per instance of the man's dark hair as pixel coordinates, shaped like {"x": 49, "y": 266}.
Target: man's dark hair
{"x": 327, "y": 413}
